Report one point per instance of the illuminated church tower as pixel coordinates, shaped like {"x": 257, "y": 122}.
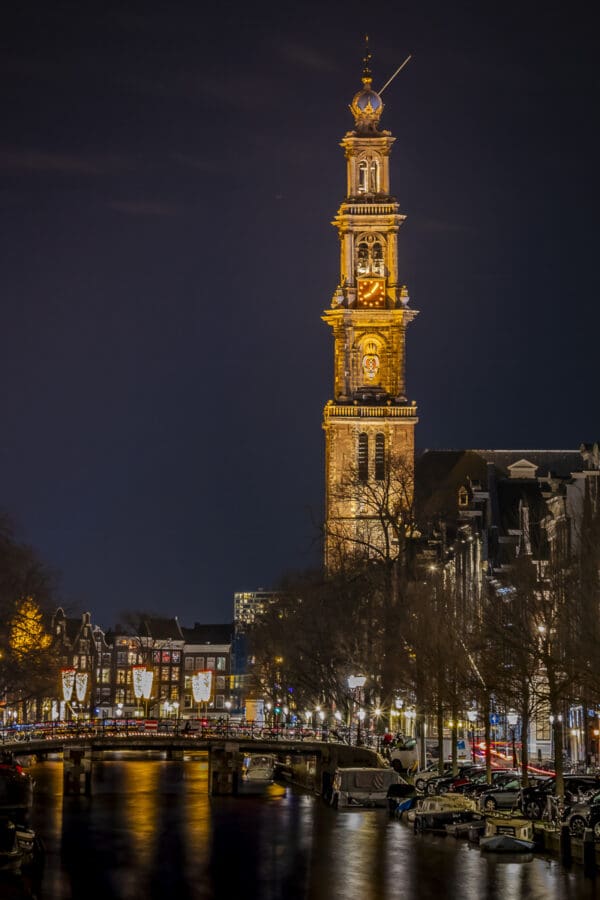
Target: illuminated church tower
{"x": 369, "y": 425}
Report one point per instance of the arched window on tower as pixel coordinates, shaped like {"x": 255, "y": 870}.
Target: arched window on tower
{"x": 363, "y": 456}
{"x": 374, "y": 176}
{"x": 378, "y": 265}
{"x": 379, "y": 457}
{"x": 363, "y": 176}
{"x": 362, "y": 258}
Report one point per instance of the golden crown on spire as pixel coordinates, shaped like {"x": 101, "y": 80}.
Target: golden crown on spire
{"x": 367, "y": 105}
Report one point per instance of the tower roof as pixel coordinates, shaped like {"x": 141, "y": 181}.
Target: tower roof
{"x": 367, "y": 105}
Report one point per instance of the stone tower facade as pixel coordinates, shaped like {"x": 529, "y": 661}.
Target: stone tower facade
{"x": 369, "y": 425}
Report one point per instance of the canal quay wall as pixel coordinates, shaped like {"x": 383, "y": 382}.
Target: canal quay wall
{"x": 560, "y": 843}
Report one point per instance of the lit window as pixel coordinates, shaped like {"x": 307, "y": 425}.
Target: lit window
{"x": 363, "y": 176}
{"x": 374, "y": 176}
{"x": 378, "y": 267}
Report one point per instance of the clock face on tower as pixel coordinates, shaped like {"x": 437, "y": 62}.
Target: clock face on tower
{"x": 371, "y": 293}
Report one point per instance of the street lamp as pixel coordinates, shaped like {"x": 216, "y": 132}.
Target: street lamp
{"x": 338, "y": 719}
{"x": 361, "y": 716}
{"x": 356, "y": 683}
{"x": 555, "y": 733}
{"x": 228, "y": 707}
{"x": 512, "y": 718}
{"x": 472, "y": 717}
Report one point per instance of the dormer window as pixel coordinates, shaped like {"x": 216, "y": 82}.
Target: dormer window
{"x": 463, "y": 497}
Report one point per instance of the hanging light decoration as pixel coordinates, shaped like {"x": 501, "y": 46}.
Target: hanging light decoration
{"x": 81, "y": 682}
{"x": 142, "y": 682}
{"x": 147, "y": 684}
{"x": 137, "y": 674}
{"x": 202, "y": 686}
{"x": 68, "y": 682}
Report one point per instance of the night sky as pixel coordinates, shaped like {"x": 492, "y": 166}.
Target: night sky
{"x": 168, "y": 175}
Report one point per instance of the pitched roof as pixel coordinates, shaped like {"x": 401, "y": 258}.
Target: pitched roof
{"x": 161, "y": 629}
{"x": 560, "y": 463}
{"x": 208, "y": 634}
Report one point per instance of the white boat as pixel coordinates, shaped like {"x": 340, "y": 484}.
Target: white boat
{"x": 258, "y": 772}
{"x": 355, "y": 787}
{"x": 435, "y": 813}
{"x": 508, "y": 834}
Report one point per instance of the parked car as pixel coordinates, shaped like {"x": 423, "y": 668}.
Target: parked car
{"x": 505, "y": 794}
{"x": 429, "y": 772}
{"x": 584, "y": 815}
{"x": 533, "y": 799}
{"x": 443, "y": 783}
{"x": 479, "y": 784}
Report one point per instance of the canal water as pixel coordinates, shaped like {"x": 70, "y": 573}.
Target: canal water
{"x": 150, "y": 830}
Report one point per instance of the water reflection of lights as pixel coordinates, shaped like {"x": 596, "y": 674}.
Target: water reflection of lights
{"x": 139, "y": 809}
{"x": 198, "y": 823}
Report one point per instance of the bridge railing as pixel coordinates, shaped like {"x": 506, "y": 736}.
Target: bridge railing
{"x": 188, "y": 729}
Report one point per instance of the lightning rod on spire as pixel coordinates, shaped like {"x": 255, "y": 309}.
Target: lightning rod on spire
{"x": 397, "y": 72}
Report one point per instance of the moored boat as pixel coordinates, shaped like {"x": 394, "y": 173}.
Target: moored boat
{"x": 435, "y": 813}
{"x": 20, "y": 848}
{"x": 258, "y": 773}
{"x": 508, "y": 834}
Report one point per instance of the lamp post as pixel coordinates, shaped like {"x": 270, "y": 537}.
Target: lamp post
{"x": 472, "y": 717}
{"x": 356, "y": 684}
{"x": 228, "y": 708}
{"x": 338, "y": 721}
{"x": 555, "y": 733}
{"x": 512, "y": 718}
{"x": 361, "y": 716}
